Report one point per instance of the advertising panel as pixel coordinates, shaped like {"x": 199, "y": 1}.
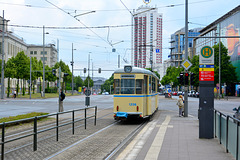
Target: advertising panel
{"x": 231, "y": 27}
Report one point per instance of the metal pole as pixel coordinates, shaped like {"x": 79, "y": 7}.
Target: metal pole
{"x": 43, "y": 61}
{"x": 35, "y": 134}
{"x": 59, "y": 88}
{"x": 3, "y": 140}
{"x": 2, "y": 79}
{"x": 186, "y": 57}
{"x": 118, "y": 60}
{"x": 30, "y": 77}
{"x": 92, "y": 76}
{"x": 72, "y": 68}
{"x": 88, "y": 68}
{"x": 219, "y": 63}
{"x": 57, "y": 50}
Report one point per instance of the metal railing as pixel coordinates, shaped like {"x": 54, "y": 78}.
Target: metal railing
{"x": 226, "y": 129}
{"x": 35, "y": 128}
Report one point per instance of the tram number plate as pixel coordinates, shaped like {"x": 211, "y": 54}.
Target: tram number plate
{"x": 132, "y": 104}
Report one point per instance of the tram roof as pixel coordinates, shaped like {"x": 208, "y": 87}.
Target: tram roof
{"x": 137, "y": 70}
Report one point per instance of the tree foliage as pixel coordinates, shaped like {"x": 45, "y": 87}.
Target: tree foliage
{"x": 107, "y": 83}
{"x": 195, "y": 69}
{"x": 228, "y": 71}
{"x": 78, "y": 82}
{"x": 85, "y": 83}
{"x": 155, "y": 72}
{"x": 171, "y": 76}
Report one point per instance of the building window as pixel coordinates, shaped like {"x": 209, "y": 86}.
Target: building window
{"x": 44, "y": 58}
{"x": 31, "y": 52}
{"x": 44, "y": 51}
{"x": 35, "y": 52}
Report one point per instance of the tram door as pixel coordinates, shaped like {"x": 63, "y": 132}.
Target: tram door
{"x": 145, "y": 88}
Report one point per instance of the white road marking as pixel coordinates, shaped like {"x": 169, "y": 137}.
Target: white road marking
{"x": 132, "y": 150}
{"x": 157, "y": 143}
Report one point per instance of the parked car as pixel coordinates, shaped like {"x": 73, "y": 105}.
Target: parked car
{"x": 190, "y": 93}
{"x": 179, "y": 93}
{"x": 175, "y": 93}
{"x": 196, "y": 94}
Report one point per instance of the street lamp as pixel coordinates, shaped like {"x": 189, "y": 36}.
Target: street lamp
{"x": 44, "y": 60}
{"x": 72, "y": 67}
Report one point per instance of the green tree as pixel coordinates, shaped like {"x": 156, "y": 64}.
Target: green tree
{"x": 155, "y": 72}
{"x": 107, "y": 83}
{"x": 22, "y": 63}
{"x": 10, "y": 72}
{"x": 64, "y": 69}
{"x": 171, "y": 76}
{"x": 85, "y": 82}
{"x": 228, "y": 71}
{"x": 195, "y": 69}
{"x": 78, "y": 82}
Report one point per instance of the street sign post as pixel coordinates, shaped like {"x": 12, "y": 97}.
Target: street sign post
{"x": 186, "y": 64}
{"x": 206, "y": 97}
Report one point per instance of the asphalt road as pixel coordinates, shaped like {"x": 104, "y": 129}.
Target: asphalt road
{"x": 13, "y": 107}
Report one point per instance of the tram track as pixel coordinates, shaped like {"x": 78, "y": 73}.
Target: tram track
{"x": 48, "y": 136}
{"x": 125, "y": 141}
{"x": 48, "y": 148}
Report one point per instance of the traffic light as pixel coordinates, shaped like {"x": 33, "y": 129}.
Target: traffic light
{"x": 99, "y": 70}
{"x": 84, "y": 70}
{"x": 71, "y": 62}
{"x": 186, "y": 78}
{"x": 180, "y": 79}
{"x": 192, "y": 76}
{"x": 65, "y": 74}
{"x": 54, "y": 72}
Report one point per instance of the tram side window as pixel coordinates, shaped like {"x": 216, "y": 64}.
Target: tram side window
{"x": 127, "y": 86}
{"x": 153, "y": 85}
{"x": 139, "y": 86}
{"x": 150, "y": 84}
{"x": 116, "y": 86}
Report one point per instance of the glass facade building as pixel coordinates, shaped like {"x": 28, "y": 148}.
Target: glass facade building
{"x": 227, "y": 25}
{"x": 178, "y": 44}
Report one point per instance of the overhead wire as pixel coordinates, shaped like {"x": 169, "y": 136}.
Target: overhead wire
{"x": 78, "y": 21}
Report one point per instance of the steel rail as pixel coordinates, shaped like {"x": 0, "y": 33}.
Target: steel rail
{"x": 133, "y": 133}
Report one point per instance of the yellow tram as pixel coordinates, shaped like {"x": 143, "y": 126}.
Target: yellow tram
{"x": 135, "y": 93}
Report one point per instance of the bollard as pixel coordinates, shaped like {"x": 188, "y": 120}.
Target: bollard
{"x": 85, "y": 118}
{"x": 57, "y": 127}
{"x": 73, "y": 122}
{"x": 3, "y": 136}
{"x": 35, "y": 134}
{"x": 95, "y": 122}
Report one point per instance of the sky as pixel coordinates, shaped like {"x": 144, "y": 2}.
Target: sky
{"x": 101, "y": 26}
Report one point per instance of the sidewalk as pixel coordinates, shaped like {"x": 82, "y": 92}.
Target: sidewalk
{"x": 169, "y": 137}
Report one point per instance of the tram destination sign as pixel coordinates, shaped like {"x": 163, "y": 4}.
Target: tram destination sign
{"x": 206, "y": 55}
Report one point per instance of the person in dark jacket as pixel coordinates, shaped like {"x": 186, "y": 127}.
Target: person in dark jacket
{"x": 61, "y": 98}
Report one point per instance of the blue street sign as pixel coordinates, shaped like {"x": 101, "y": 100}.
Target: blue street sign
{"x": 157, "y": 50}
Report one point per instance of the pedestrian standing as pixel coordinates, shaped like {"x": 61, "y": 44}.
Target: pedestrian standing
{"x": 180, "y": 105}
{"x": 61, "y": 98}
{"x": 14, "y": 94}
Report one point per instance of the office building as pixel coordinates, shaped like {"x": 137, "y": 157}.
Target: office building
{"x": 147, "y": 38}
{"x": 177, "y": 52}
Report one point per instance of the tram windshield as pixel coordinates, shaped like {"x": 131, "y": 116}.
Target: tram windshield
{"x": 128, "y": 86}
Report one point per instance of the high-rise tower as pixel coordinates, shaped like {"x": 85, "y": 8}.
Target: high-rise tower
{"x": 147, "y": 38}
